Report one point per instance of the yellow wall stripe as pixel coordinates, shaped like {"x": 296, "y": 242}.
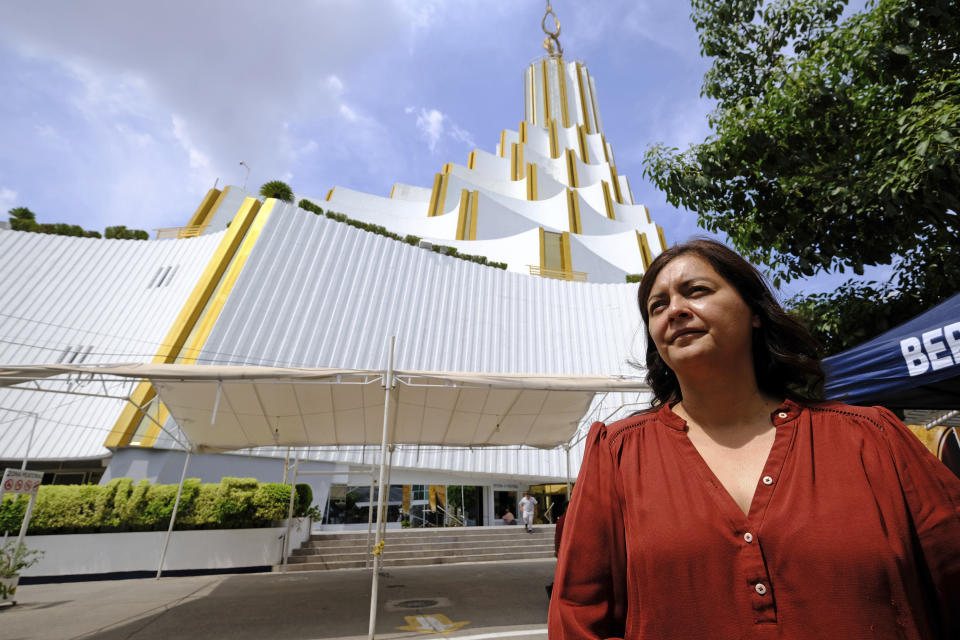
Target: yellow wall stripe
{"x": 393, "y": 190}
{"x": 543, "y": 249}
{"x": 572, "y": 177}
{"x": 607, "y": 199}
{"x": 562, "y": 74}
{"x": 472, "y": 160}
{"x": 330, "y": 194}
{"x": 663, "y": 238}
{"x": 593, "y": 103}
{"x": 546, "y": 91}
{"x": 201, "y": 213}
{"x": 218, "y": 300}
{"x": 647, "y": 211}
{"x": 503, "y": 143}
{"x": 554, "y": 139}
{"x": 645, "y": 254}
{"x": 606, "y": 156}
{"x": 582, "y": 138}
{"x": 615, "y": 180}
{"x": 446, "y": 168}
{"x": 216, "y": 206}
{"x": 573, "y": 211}
{"x": 532, "y": 181}
{"x": 434, "y": 194}
{"x": 583, "y": 97}
{"x": 463, "y": 214}
{"x": 630, "y": 192}
{"x": 565, "y": 248}
{"x": 129, "y": 418}
{"x": 522, "y": 132}
{"x": 474, "y": 206}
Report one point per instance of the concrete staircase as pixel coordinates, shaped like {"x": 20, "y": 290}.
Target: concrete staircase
{"x": 417, "y": 547}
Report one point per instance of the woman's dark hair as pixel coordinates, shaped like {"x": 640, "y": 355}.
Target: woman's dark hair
{"x": 785, "y": 354}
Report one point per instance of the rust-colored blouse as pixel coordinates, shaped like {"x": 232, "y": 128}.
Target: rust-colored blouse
{"x": 853, "y": 532}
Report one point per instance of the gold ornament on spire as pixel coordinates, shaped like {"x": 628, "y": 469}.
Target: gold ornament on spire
{"x": 552, "y": 42}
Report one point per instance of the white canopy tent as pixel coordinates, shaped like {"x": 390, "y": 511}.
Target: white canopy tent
{"x": 221, "y": 408}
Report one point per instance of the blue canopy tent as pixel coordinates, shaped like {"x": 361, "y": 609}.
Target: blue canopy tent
{"x": 913, "y": 366}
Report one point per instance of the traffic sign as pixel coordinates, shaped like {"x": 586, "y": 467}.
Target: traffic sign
{"x": 21, "y": 481}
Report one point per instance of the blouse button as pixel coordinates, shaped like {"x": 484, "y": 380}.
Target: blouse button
{"x": 760, "y": 588}
{"x": 748, "y": 536}
{"x": 767, "y": 480}
{"x": 782, "y": 414}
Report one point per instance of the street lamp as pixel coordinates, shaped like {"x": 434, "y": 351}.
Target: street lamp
{"x": 247, "y": 167}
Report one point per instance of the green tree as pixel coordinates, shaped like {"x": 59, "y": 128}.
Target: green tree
{"x": 835, "y": 145}
{"x": 277, "y": 189}
{"x": 22, "y": 219}
{"x": 120, "y": 232}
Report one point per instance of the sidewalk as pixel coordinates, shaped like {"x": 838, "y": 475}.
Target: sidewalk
{"x": 478, "y": 601}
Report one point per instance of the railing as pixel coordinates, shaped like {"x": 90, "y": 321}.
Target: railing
{"x": 449, "y": 516}
{"x": 578, "y": 276}
{"x": 180, "y": 232}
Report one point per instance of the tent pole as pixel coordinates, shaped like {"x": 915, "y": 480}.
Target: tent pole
{"x": 567, "y": 449}
{"x": 293, "y": 494}
{"x": 369, "y": 512}
{"x": 388, "y": 383}
{"x": 173, "y": 516}
{"x": 386, "y": 502}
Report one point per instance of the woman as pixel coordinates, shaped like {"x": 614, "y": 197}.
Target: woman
{"x": 739, "y": 506}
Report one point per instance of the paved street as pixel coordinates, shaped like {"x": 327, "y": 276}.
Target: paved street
{"x": 467, "y": 601}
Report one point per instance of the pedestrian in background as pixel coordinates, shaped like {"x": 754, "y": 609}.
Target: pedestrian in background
{"x": 528, "y": 508}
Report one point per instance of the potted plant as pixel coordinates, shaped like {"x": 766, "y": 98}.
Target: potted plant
{"x": 14, "y": 558}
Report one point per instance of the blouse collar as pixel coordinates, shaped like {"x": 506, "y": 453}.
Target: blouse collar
{"x": 787, "y": 411}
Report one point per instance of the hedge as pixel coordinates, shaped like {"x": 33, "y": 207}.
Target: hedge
{"x": 409, "y": 239}
{"x": 120, "y": 505}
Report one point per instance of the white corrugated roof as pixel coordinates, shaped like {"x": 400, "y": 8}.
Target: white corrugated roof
{"x": 88, "y": 301}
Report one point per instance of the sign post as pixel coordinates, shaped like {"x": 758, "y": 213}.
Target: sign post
{"x": 20, "y": 481}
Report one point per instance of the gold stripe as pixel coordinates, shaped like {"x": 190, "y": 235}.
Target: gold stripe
{"x": 582, "y": 137}
{"x": 522, "y": 132}
{"x": 554, "y": 139}
{"x": 543, "y": 249}
{"x": 593, "y": 103}
{"x": 573, "y": 211}
{"x": 606, "y": 156}
{"x": 663, "y": 238}
{"x": 393, "y": 189}
{"x": 532, "y": 89}
{"x": 572, "y": 169}
{"x": 562, "y": 74}
{"x": 434, "y": 194}
{"x": 462, "y": 216}
{"x": 616, "y": 184}
{"x": 216, "y": 206}
{"x": 630, "y": 193}
{"x": 647, "y": 211}
{"x": 330, "y": 194}
{"x": 565, "y": 252}
{"x": 446, "y": 168}
{"x": 442, "y": 200}
{"x": 607, "y": 199}
{"x": 520, "y": 167}
{"x": 531, "y": 181}
{"x": 214, "y": 307}
{"x": 583, "y": 98}
{"x": 126, "y": 424}
{"x": 645, "y": 254}
{"x": 472, "y": 160}
{"x": 201, "y": 213}
{"x": 474, "y": 206}
{"x": 503, "y": 143}
{"x": 546, "y": 92}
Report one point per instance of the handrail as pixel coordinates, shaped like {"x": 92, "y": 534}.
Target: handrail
{"x": 180, "y": 232}
{"x": 577, "y": 276}
{"x": 451, "y": 516}
{"x": 410, "y": 516}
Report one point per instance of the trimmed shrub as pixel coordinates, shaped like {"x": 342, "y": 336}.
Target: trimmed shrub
{"x": 303, "y": 500}
{"x": 12, "y": 511}
{"x": 120, "y": 232}
{"x": 271, "y": 501}
{"x": 277, "y": 189}
{"x": 409, "y": 239}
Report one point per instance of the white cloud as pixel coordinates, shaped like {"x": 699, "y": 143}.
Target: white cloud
{"x": 8, "y": 200}
{"x": 197, "y": 158}
{"x": 435, "y": 125}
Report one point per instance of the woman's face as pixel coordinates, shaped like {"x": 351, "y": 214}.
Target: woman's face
{"x": 697, "y": 320}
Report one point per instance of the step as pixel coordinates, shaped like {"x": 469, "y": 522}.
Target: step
{"x": 421, "y": 548}
{"x": 429, "y": 531}
{"x": 433, "y": 539}
{"x": 397, "y": 554}
{"x": 425, "y": 560}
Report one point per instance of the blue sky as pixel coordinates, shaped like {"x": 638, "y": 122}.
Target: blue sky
{"x": 119, "y": 112}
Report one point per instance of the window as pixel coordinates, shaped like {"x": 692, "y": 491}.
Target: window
{"x": 418, "y": 493}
